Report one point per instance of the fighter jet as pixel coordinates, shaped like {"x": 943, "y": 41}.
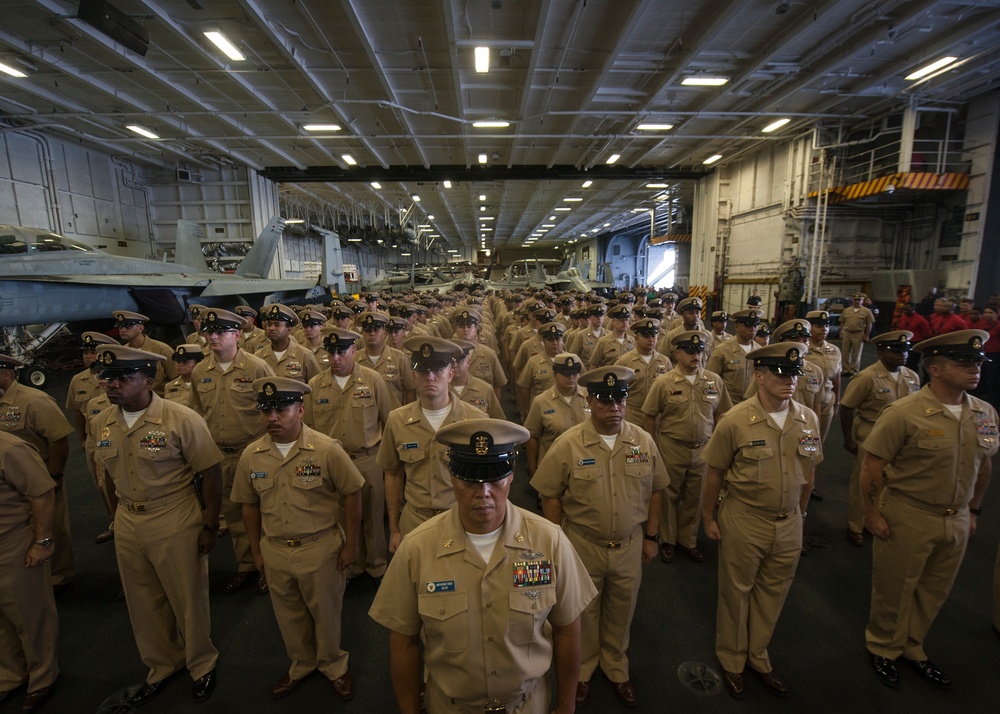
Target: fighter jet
{"x": 48, "y": 280}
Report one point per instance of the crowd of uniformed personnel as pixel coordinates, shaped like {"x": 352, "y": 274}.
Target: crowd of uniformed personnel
{"x": 367, "y": 437}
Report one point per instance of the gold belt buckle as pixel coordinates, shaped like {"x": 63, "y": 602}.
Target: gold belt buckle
{"x": 495, "y": 707}
{"x": 293, "y": 542}
{"x": 614, "y": 544}
{"x": 137, "y": 507}
{"x": 950, "y": 511}
{"x": 782, "y": 516}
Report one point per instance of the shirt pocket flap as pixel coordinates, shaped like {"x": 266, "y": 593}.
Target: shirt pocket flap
{"x": 442, "y": 606}
{"x": 756, "y": 453}
{"x": 934, "y": 444}
{"x": 587, "y": 473}
{"x": 411, "y": 456}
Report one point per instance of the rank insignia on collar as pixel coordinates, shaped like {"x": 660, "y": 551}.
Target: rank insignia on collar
{"x": 519, "y": 538}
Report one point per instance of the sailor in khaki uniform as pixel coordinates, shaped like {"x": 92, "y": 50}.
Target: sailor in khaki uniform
{"x": 938, "y": 447}
{"x": 154, "y": 451}
{"x": 392, "y": 364}
{"x": 132, "y": 329}
{"x": 409, "y": 455}
{"x": 586, "y": 339}
{"x": 351, "y": 403}
{"x": 223, "y": 394}
{"x": 646, "y": 363}
{"x": 680, "y": 412}
{"x": 827, "y": 357}
{"x": 312, "y": 321}
{"x": 855, "y": 329}
{"x": 602, "y": 481}
{"x": 729, "y": 357}
{"x": 533, "y": 343}
{"x": 536, "y": 376}
{"x": 688, "y": 318}
{"x": 809, "y": 387}
{"x": 84, "y": 386}
{"x": 494, "y": 592}
{"x": 472, "y": 390}
{"x": 289, "y": 482}
{"x": 765, "y": 451}
{"x": 616, "y": 342}
{"x": 29, "y": 623}
{"x": 251, "y": 336}
{"x": 867, "y": 394}
{"x": 187, "y": 358}
{"x": 484, "y": 363}
{"x": 283, "y": 354}
{"x": 719, "y": 320}
{"x": 32, "y": 415}
{"x": 195, "y": 337}
{"x": 555, "y": 410}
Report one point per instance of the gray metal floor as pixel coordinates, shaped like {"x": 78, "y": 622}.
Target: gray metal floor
{"x": 818, "y": 646}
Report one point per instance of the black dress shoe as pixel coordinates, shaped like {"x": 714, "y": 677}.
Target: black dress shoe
{"x": 262, "y": 588}
{"x": 11, "y": 693}
{"x": 816, "y": 495}
{"x": 773, "y": 683}
{"x": 203, "y": 687}
{"x": 929, "y": 672}
{"x": 733, "y": 682}
{"x": 693, "y": 553}
{"x": 236, "y": 582}
{"x": 667, "y": 552}
{"x": 34, "y": 700}
{"x": 885, "y": 668}
{"x": 148, "y": 692}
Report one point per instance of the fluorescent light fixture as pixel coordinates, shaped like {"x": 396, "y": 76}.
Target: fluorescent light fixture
{"x": 572, "y": 199}
{"x": 12, "y": 71}
{"x": 482, "y": 197}
{"x": 430, "y": 217}
{"x": 376, "y": 185}
{"x": 486, "y": 218}
{"x": 541, "y": 230}
{"x": 223, "y": 43}
{"x": 483, "y": 158}
{"x": 563, "y": 208}
{"x": 775, "y": 125}
{"x": 423, "y": 225}
{"x": 647, "y": 126}
{"x": 613, "y": 158}
{"x": 141, "y": 131}
{"x": 712, "y": 159}
{"x": 607, "y": 225}
{"x": 482, "y": 59}
{"x": 405, "y": 255}
{"x": 349, "y": 160}
{"x": 482, "y": 208}
{"x": 640, "y": 210}
{"x": 321, "y": 127}
{"x": 932, "y": 67}
{"x": 293, "y": 221}
{"x": 491, "y": 124}
{"x": 433, "y": 235}
{"x": 485, "y": 230}
{"x": 548, "y": 225}
{"x": 595, "y": 230}
{"x": 416, "y": 198}
{"x": 657, "y": 185}
{"x": 446, "y": 183}
{"x": 588, "y": 183}
{"x": 353, "y": 240}
{"x": 705, "y": 81}
{"x": 453, "y": 250}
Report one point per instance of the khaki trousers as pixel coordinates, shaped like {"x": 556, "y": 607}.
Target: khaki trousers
{"x": 851, "y": 345}
{"x": 29, "y": 624}
{"x": 535, "y": 701}
{"x": 233, "y": 514}
{"x": 996, "y": 592}
{"x": 757, "y": 561}
{"x": 374, "y": 549}
{"x": 165, "y": 580}
{"x": 680, "y": 514}
{"x": 617, "y": 574}
{"x": 307, "y": 593}
{"x": 912, "y": 574}
{"x": 63, "y": 568}
{"x": 855, "y": 500}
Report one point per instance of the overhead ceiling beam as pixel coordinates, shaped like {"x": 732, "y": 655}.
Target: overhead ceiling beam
{"x": 458, "y": 172}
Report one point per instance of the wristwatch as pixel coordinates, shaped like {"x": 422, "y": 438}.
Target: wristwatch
{"x": 211, "y": 527}
{"x": 44, "y": 542}
{"x": 654, "y": 538}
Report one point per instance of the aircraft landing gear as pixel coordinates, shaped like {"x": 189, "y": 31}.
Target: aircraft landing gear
{"x": 34, "y": 377}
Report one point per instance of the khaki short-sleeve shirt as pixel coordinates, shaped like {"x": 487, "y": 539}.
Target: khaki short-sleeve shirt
{"x": 550, "y": 416}
{"x": 23, "y": 476}
{"x": 354, "y": 414}
{"x": 158, "y": 455}
{"x": 394, "y": 367}
{"x": 537, "y": 375}
{"x": 873, "y": 389}
{"x": 485, "y": 365}
{"x": 227, "y": 400}
{"x": 297, "y": 362}
{"x": 82, "y": 388}
{"x": 298, "y": 494}
{"x": 933, "y": 457}
{"x": 645, "y": 375}
{"x": 604, "y": 491}
{"x": 686, "y": 410}
{"x": 484, "y": 624}
{"x": 32, "y": 415}
{"x": 765, "y": 466}
{"x": 729, "y": 361}
{"x": 608, "y": 349}
{"x": 480, "y": 395}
